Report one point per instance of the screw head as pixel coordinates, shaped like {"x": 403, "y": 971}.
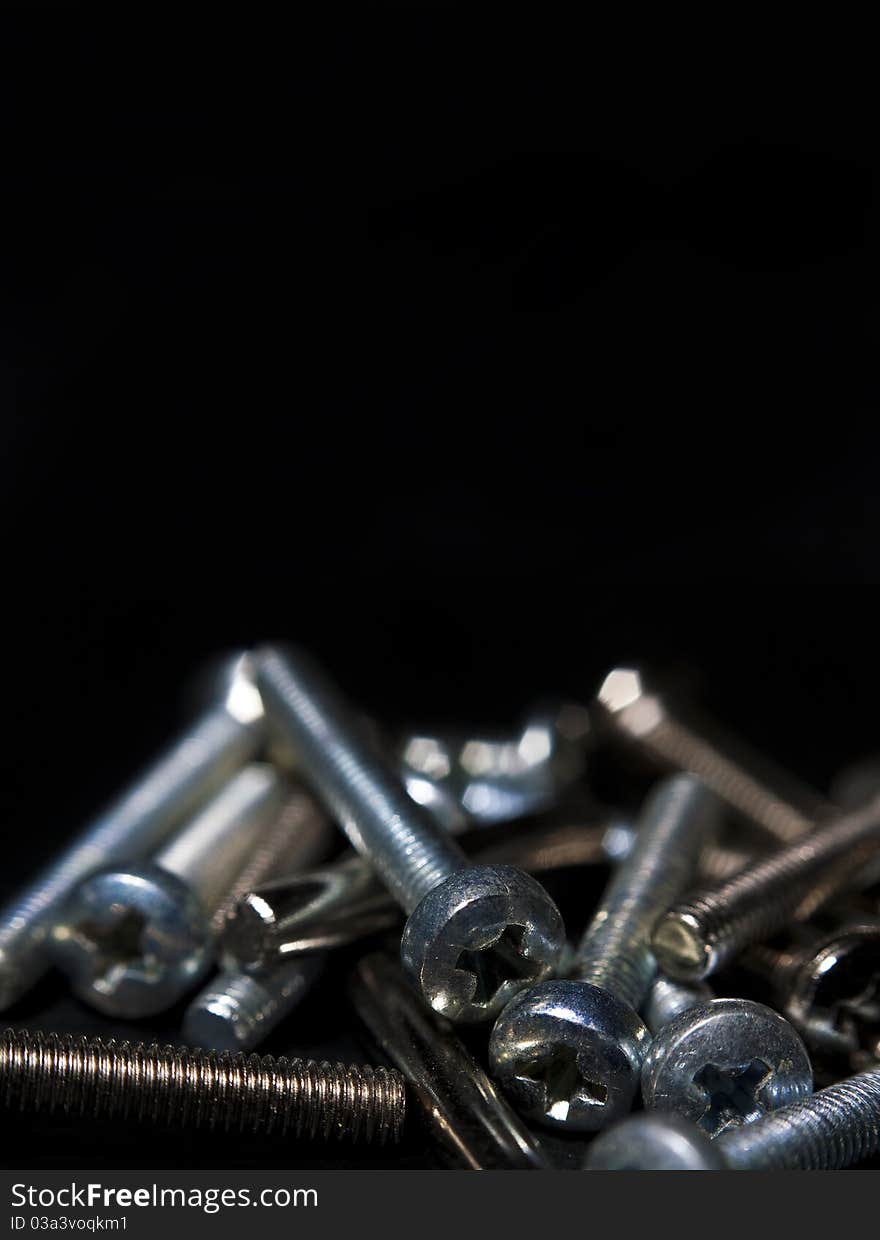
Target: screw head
{"x": 478, "y": 938}
{"x": 569, "y": 1055}
{"x": 835, "y": 994}
{"x": 132, "y": 942}
{"x": 725, "y": 1063}
{"x": 653, "y": 1143}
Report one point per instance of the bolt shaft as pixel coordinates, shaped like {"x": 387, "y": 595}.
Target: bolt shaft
{"x": 238, "y": 1011}
{"x": 696, "y": 937}
{"x": 181, "y": 1087}
{"x": 615, "y": 952}
{"x": 667, "y": 1000}
{"x": 834, "y": 1128}
{"x": 409, "y": 851}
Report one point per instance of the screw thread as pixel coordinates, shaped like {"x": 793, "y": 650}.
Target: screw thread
{"x": 181, "y": 1087}
{"x": 698, "y": 936}
{"x": 238, "y": 1011}
{"x": 615, "y": 952}
{"x": 409, "y": 851}
{"x": 834, "y": 1128}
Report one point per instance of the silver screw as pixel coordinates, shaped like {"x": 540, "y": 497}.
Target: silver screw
{"x": 225, "y": 736}
{"x": 238, "y": 1011}
{"x": 719, "y": 1062}
{"x": 834, "y": 1128}
{"x": 475, "y": 935}
{"x": 569, "y": 1053}
{"x": 695, "y": 938}
{"x": 133, "y": 940}
{"x": 768, "y": 798}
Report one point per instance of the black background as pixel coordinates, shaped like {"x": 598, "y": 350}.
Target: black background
{"x": 474, "y": 349}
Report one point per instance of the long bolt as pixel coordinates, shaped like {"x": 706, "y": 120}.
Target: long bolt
{"x": 769, "y": 798}
{"x": 570, "y": 1052}
{"x": 180, "y": 1088}
{"x": 711, "y": 927}
{"x": 221, "y": 739}
{"x": 475, "y": 935}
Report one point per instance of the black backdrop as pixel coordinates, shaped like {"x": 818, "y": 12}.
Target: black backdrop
{"x": 474, "y": 350}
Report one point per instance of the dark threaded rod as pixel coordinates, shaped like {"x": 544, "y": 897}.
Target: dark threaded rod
{"x": 770, "y": 798}
{"x": 189, "y": 1088}
{"x": 698, "y": 936}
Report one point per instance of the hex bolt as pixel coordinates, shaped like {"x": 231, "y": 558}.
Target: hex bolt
{"x": 178, "y": 1087}
{"x": 569, "y": 1053}
{"x": 237, "y": 1011}
{"x": 225, "y": 736}
{"x": 770, "y": 799}
{"x": 829, "y": 988}
{"x": 133, "y": 940}
{"x": 695, "y": 938}
{"x": 468, "y": 1120}
{"x": 834, "y": 1128}
{"x": 475, "y": 934}
{"x": 719, "y": 1062}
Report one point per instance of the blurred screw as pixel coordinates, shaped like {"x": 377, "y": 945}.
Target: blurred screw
{"x": 475, "y": 935}
{"x": 225, "y": 736}
{"x": 711, "y": 927}
{"x": 134, "y": 940}
{"x": 238, "y": 1011}
{"x": 569, "y": 1053}
{"x": 765, "y": 796}
{"x": 189, "y": 1088}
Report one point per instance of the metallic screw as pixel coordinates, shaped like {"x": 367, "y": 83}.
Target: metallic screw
{"x": 697, "y": 937}
{"x": 179, "y": 1087}
{"x": 719, "y": 1062}
{"x": 768, "y": 798}
{"x": 238, "y": 1011}
{"x": 134, "y": 940}
{"x": 223, "y": 738}
{"x": 569, "y": 1053}
{"x": 475, "y": 935}
{"x": 834, "y": 1128}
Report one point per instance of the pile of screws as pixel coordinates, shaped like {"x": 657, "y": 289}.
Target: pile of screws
{"x": 219, "y": 878}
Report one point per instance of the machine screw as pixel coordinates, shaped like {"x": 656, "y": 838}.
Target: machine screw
{"x": 569, "y": 1053}
{"x": 834, "y": 1128}
{"x": 134, "y": 940}
{"x": 238, "y": 1011}
{"x": 770, "y": 799}
{"x": 225, "y": 736}
{"x": 475, "y": 934}
{"x": 719, "y": 1062}
{"x": 697, "y": 937}
{"x": 180, "y": 1088}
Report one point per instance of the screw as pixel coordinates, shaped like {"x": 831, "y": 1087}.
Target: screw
{"x": 768, "y": 798}
{"x": 225, "y": 736}
{"x": 200, "y": 1089}
{"x": 719, "y": 1062}
{"x": 475, "y": 934}
{"x": 829, "y": 989}
{"x": 697, "y": 937}
{"x": 134, "y": 940}
{"x": 834, "y": 1128}
{"x": 569, "y": 1053}
{"x": 238, "y": 1011}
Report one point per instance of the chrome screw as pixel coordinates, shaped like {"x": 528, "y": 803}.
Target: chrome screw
{"x": 238, "y": 1011}
{"x": 695, "y": 938}
{"x": 181, "y": 1088}
{"x": 133, "y": 940}
{"x": 475, "y": 934}
{"x": 569, "y": 1053}
{"x": 217, "y": 743}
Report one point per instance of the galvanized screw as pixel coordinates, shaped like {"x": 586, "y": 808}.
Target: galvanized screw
{"x": 220, "y": 740}
{"x": 569, "y": 1053}
{"x": 133, "y": 940}
{"x": 767, "y": 797}
{"x": 180, "y": 1088}
{"x": 834, "y": 1128}
{"x": 238, "y": 1011}
{"x": 475, "y": 935}
{"x": 711, "y": 927}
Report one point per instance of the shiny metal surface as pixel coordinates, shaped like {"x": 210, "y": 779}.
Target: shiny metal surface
{"x": 654, "y": 1142}
{"x": 474, "y": 936}
{"x": 461, "y": 1109}
{"x": 237, "y": 1011}
{"x": 223, "y": 738}
{"x": 569, "y": 1053}
{"x": 699, "y": 935}
{"x": 132, "y": 941}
